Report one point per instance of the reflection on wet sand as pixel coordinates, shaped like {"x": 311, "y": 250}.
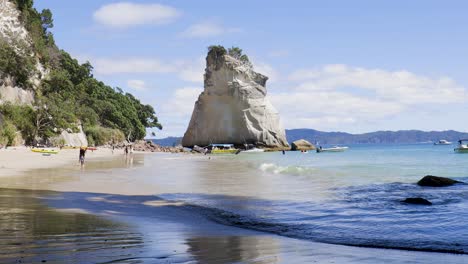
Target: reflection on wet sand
{"x": 234, "y": 249}
{"x": 69, "y": 227}
{"x": 43, "y": 179}
{"x": 31, "y": 232}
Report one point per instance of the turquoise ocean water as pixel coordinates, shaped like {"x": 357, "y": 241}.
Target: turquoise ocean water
{"x": 350, "y": 198}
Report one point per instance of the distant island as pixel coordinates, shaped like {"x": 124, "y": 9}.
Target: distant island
{"x": 379, "y": 137}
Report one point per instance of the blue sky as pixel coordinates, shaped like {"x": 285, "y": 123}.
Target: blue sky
{"x": 354, "y": 66}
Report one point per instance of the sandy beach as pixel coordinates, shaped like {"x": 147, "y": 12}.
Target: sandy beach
{"x": 109, "y": 213}
{"x": 15, "y": 161}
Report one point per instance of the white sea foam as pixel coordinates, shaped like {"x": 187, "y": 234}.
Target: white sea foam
{"x": 291, "y": 170}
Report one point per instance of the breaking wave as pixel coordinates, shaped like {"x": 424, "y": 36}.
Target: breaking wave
{"x": 291, "y": 170}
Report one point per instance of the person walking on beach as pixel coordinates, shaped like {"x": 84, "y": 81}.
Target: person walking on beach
{"x": 82, "y": 156}
{"x": 126, "y": 150}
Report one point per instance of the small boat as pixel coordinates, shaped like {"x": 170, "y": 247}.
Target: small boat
{"x": 45, "y": 151}
{"x": 462, "y": 146}
{"x": 332, "y": 149}
{"x": 222, "y": 149}
{"x": 253, "y": 150}
{"x": 443, "y": 142}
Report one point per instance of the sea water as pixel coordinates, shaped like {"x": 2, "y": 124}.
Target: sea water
{"x": 350, "y": 198}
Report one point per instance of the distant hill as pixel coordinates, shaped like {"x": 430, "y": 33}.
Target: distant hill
{"x": 379, "y": 137}
{"x": 167, "y": 142}
{"x": 402, "y": 136}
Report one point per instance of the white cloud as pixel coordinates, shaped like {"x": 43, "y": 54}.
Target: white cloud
{"x": 338, "y": 96}
{"x": 400, "y": 86}
{"x": 189, "y": 71}
{"x": 326, "y": 110}
{"x": 278, "y": 53}
{"x": 192, "y": 71}
{"x": 182, "y": 102}
{"x": 138, "y": 85}
{"x": 207, "y": 29}
{"x": 266, "y": 69}
{"x": 126, "y": 14}
{"x": 131, "y": 65}
{"x": 175, "y": 114}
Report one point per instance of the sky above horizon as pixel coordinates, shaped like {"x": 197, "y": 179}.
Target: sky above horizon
{"x": 353, "y": 66}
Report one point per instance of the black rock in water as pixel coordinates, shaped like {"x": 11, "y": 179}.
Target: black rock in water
{"x": 435, "y": 181}
{"x": 417, "y": 200}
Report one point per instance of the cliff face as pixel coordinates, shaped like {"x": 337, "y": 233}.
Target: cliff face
{"x": 233, "y": 107}
{"x": 13, "y": 32}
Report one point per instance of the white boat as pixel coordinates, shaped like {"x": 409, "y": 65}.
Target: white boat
{"x": 462, "y": 146}
{"x": 332, "y": 149}
{"x": 443, "y": 142}
{"x": 253, "y": 150}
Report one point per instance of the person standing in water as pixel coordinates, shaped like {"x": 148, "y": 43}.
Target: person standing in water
{"x": 82, "y": 155}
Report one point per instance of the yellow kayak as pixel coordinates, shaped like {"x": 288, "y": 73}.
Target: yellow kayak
{"x": 47, "y": 151}
{"x": 224, "y": 151}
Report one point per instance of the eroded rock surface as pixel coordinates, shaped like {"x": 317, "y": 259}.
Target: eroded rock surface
{"x": 233, "y": 108}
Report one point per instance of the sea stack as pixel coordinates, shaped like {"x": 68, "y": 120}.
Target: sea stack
{"x": 233, "y": 107}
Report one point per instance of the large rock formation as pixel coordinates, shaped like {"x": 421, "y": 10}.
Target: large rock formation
{"x": 233, "y": 107}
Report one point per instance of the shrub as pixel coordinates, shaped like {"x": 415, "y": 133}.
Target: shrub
{"x": 7, "y": 134}
{"x": 98, "y": 135}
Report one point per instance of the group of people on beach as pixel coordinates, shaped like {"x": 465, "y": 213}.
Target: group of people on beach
{"x": 81, "y": 157}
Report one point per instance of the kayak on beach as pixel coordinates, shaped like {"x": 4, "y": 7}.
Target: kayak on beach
{"x": 48, "y": 151}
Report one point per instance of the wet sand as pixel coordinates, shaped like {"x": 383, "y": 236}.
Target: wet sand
{"x": 106, "y": 213}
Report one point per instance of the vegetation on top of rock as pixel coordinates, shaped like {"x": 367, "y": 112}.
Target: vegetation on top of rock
{"x": 217, "y": 51}
{"x": 236, "y": 52}
{"x": 69, "y": 95}
{"x": 38, "y": 26}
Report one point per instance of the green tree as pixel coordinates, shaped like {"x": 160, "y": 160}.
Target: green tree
{"x": 217, "y": 51}
{"x": 47, "y": 20}
{"x": 18, "y": 66}
{"x": 235, "y": 52}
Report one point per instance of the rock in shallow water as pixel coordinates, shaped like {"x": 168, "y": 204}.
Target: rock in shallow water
{"x": 302, "y": 144}
{"x": 435, "y": 181}
{"x": 417, "y": 200}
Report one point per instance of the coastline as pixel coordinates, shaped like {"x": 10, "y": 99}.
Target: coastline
{"x": 110, "y": 192}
